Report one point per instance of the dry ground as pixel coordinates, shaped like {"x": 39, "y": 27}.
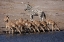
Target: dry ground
{"x": 54, "y": 9}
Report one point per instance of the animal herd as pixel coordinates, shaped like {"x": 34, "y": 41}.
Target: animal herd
{"x": 23, "y": 25}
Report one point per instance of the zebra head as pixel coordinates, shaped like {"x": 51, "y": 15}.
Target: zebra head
{"x": 28, "y": 7}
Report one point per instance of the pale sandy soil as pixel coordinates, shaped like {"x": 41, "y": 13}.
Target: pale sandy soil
{"x": 54, "y": 9}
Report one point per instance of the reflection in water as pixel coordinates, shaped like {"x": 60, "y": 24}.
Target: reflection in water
{"x": 42, "y": 37}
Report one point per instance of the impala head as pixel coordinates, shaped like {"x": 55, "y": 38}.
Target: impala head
{"x": 6, "y": 18}
{"x": 21, "y": 20}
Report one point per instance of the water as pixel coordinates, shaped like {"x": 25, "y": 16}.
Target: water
{"x": 42, "y": 37}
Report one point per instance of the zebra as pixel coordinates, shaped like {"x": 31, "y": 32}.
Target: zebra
{"x": 35, "y": 12}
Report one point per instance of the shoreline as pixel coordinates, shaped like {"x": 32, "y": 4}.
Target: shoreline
{"x": 3, "y": 32}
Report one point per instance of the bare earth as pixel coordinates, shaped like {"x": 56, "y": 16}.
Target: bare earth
{"x": 54, "y": 10}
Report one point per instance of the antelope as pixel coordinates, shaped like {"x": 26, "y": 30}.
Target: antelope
{"x": 53, "y": 23}
{"x": 29, "y": 25}
{"x": 34, "y": 26}
{"x": 44, "y": 24}
{"x": 20, "y": 26}
{"x": 38, "y": 24}
{"x": 23, "y": 23}
{"x": 11, "y": 25}
{"x": 20, "y": 23}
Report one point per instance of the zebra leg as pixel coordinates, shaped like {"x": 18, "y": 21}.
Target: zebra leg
{"x": 42, "y": 18}
{"x": 31, "y": 17}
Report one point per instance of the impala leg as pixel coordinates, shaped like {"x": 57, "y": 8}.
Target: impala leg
{"x": 48, "y": 28}
{"x": 37, "y": 29}
{"x": 33, "y": 29}
{"x": 21, "y": 29}
{"x": 12, "y": 31}
{"x": 18, "y": 30}
{"x": 52, "y": 27}
{"x": 58, "y": 29}
{"x": 6, "y": 29}
{"x": 42, "y": 29}
{"x": 9, "y": 30}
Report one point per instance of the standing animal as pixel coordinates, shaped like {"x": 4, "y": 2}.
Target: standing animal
{"x": 11, "y": 25}
{"x": 51, "y": 22}
{"x": 35, "y": 12}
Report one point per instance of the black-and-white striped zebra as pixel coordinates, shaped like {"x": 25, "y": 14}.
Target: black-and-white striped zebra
{"x": 35, "y": 12}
